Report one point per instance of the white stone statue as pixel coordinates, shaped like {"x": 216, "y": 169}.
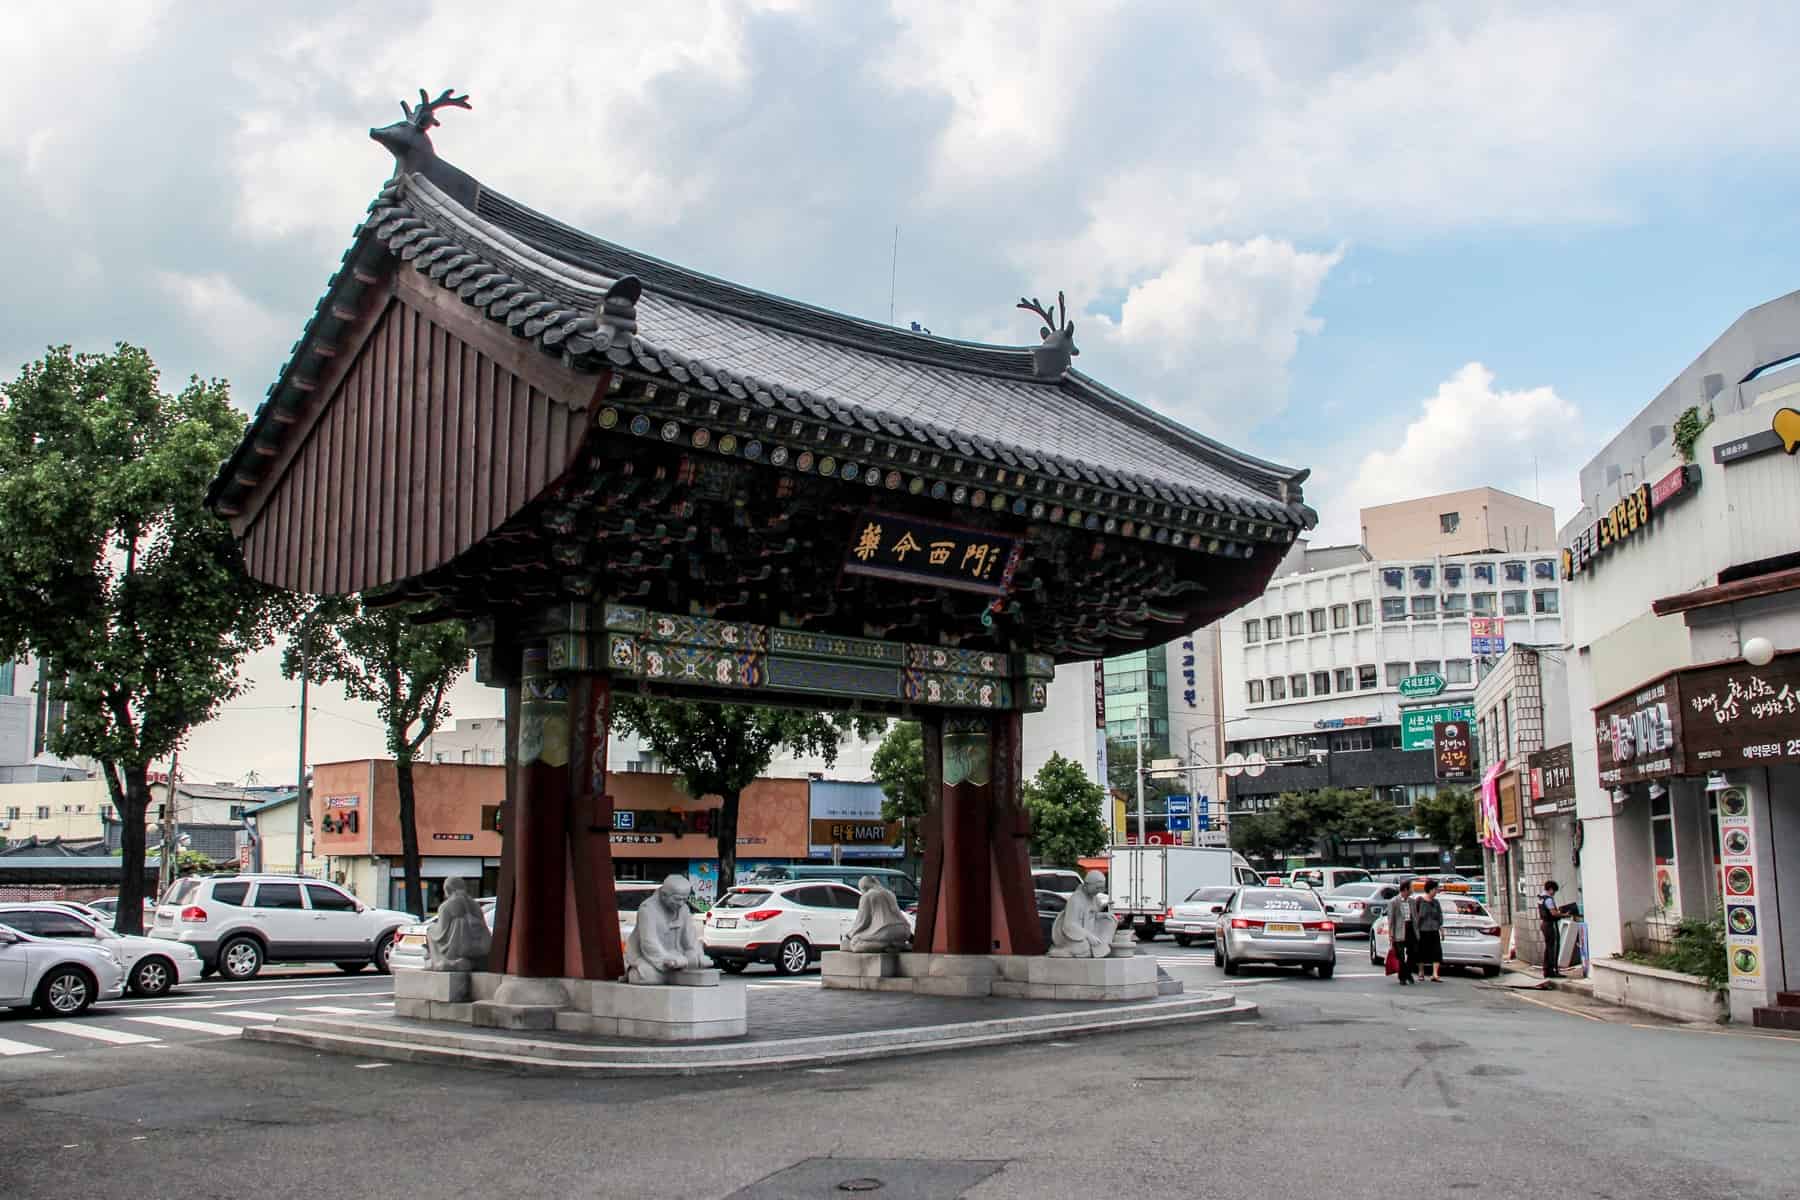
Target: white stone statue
{"x": 880, "y": 925}
{"x": 1084, "y": 929}
{"x": 664, "y": 940}
{"x": 459, "y": 937}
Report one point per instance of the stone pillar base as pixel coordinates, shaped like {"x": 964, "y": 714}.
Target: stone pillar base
{"x": 695, "y": 1009}
{"x": 1023, "y": 977}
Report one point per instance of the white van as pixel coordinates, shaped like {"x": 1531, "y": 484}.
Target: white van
{"x": 1327, "y": 879}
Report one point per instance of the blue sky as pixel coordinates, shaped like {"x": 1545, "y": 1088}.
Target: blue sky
{"x": 1413, "y": 247}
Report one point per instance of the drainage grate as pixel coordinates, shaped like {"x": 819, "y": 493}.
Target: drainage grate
{"x": 886, "y": 1178}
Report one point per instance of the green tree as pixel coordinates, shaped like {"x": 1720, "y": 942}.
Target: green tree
{"x": 1327, "y": 819}
{"x": 113, "y": 572}
{"x": 899, "y": 767}
{"x": 382, "y": 655}
{"x": 720, "y": 749}
{"x": 1065, "y": 807}
{"x": 1448, "y": 818}
{"x": 1259, "y": 835}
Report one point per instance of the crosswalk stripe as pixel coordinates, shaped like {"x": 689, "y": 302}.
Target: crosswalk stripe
{"x": 336, "y": 1010}
{"x": 186, "y": 1025}
{"x": 98, "y": 1033}
{"x": 250, "y": 1014}
{"x": 8, "y": 1049}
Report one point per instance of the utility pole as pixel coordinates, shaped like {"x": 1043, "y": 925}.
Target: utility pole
{"x": 300, "y": 798}
{"x": 1140, "y": 774}
{"x": 170, "y": 827}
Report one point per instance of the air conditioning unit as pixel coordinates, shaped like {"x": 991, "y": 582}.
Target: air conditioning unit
{"x": 5, "y": 824}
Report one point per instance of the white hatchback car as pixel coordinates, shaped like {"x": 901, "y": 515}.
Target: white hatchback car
{"x": 61, "y": 978}
{"x": 788, "y": 925}
{"x": 151, "y": 967}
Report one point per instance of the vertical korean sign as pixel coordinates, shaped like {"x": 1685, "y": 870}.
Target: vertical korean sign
{"x": 1100, "y": 764}
{"x": 1454, "y": 751}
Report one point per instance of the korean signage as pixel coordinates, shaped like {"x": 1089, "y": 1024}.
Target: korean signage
{"x": 1421, "y": 687}
{"x": 845, "y": 821}
{"x": 1552, "y": 774}
{"x": 1453, "y": 750}
{"x": 1506, "y": 787}
{"x": 1783, "y": 434}
{"x": 856, "y": 833}
{"x": 1627, "y": 519}
{"x": 1190, "y": 691}
{"x": 1487, "y": 636}
{"x": 648, "y": 824}
{"x": 1203, "y": 810}
{"x": 342, "y": 815}
{"x": 1177, "y": 806}
{"x": 1345, "y": 722}
{"x": 1100, "y": 763}
{"x": 1418, "y": 726}
{"x": 890, "y": 546}
{"x": 1738, "y": 715}
{"x": 1638, "y": 737}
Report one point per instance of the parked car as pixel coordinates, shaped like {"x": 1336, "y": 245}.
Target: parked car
{"x": 238, "y": 923}
{"x": 1049, "y": 907}
{"x": 1055, "y": 879}
{"x": 60, "y": 978}
{"x": 1471, "y": 936}
{"x": 108, "y": 906}
{"x": 151, "y": 967}
{"x": 1275, "y": 925}
{"x": 904, "y": 887}
{"x": 1197, "y": 916}
{"x": 1354, "y": 906}
{"x": 1326, "y": 879}
{"x": 788, "y": 925}
{"x": 411, "y": 947}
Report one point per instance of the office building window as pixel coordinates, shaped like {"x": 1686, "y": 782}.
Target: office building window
{"x": 1296, "y": 624}
{"x": 12, "y": 814}
{"x": 1252, "y": 631}
{"x": 487, "y": 758}
{"x": 1423, "y": 578}
{"x": 1367, "y": 678}
{"x": 1297, "y": 686}
{"x": 1514, "y": 572}
{"x": 43, "y": 812}
{"x": 1453, "y": 575}
{"x": 1351, "y": 740}
{"x": 1456, "y": 671}
{"x": 1424, "y": 608}
{"x": 1255, "y": 687}
{"x": 1365, "y": 612}
{"x": 1428, "y": 666}
{"x": 1315, "y": 620}
{"x": 1393, "y": 608}
{"x": 1278, "y": 688}
{"x": 1321, "y": 683}
{"x": 468, "y": 756}
{"x": 6, "y": 678}
{"x": 1396, "y": 671}
{"x": 1346, "y": 680}
{"x": 1484, "y": 572}
{"x": 1545, "y": 600}
{"x": 1272, "y": 628}
{"x": 1456, "y": 605}
{"x": 1483, "y": 603}
{"x": 1449, "y": 522}
{"x": 1340, "y": 616}
{"x": 1512, "y": 604}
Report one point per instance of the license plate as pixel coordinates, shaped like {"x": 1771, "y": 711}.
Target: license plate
{"x": 413, "y": 939}
{"x": 1459, "y": 933}
{"x": 725, "y": 923}
{"x": 1293, "y": 929}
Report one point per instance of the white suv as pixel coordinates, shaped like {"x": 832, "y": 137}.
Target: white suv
{"x": 788, "y": 925}
{"x": 239, "y": 922}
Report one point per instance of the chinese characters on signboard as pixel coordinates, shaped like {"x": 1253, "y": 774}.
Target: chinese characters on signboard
{"x": 890, "y": 546}
{"x": 1453, "y": 750}
{"x": 1487, "y": 636}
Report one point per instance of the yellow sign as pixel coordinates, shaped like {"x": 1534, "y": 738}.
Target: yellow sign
{"x": 1787, "y": 428}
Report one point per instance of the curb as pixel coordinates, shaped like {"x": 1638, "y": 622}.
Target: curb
{"x": 347, "y": 1037}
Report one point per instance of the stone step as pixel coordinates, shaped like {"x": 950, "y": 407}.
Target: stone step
{"x": 1787, "y": 999}
{"x": 1777, "y": 1017}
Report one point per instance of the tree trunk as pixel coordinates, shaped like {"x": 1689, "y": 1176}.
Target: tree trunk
{"x": 409, "y": 840}
{"x": 134, "y": 810}
{"x": 727, "y": 831}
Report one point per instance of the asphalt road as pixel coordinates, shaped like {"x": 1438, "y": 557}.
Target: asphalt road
{"x": 1348, "y": 1087}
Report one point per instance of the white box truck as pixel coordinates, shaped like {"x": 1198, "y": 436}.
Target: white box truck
{"x": 1146, "y": 881}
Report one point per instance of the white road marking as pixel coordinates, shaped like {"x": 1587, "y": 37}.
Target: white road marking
{"x": 98, "y": 1033}
{"x": 249, "y": 1014}
{"x": 371, "y": 1066}
{"x": 8, "y": 1048}
{"x": 188, "y": 1026}
{"x": 335, "y": 1010}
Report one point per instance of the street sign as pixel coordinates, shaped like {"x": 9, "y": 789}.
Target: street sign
{"x": 1178, "y": 805}
{"x": 1487, "y": 636}
{"x": 1210, "y": 837}
{"x": 1180, "y": 824}
{"x": 1421, "y": 687}
{"x": 1454, "y": 751}
{"x": 1416, "y": 724}
{"x": 1205, "y": 812}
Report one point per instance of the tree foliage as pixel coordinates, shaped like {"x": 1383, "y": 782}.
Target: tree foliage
{"x": 115, "y": 575}
{"x": 1324, "y": 820}
{"x": 720, "y": 749}
{"x": 383, "y": 656}
{"x": 1065, "y": 808}
{"x": 1448, "y": 818}
{"x": 898, "y": 766}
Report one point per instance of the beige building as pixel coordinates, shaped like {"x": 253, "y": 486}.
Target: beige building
{"x": 1481, "y": 520}
{"x": 71, "y": 810}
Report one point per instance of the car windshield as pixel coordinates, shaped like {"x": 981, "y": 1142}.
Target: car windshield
{"x": 744, "y": 898}
{"x": 1280, "y": 898}
{"x": 1358, "y": 890}
{"x": 632, "y": 899}
{"x": 1064, "y": 884}
{"x": 1210, "y": 895}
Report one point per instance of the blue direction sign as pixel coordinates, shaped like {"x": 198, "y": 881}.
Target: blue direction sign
{"x": 1205, "y": 812}
{"x": 1178, "y": 805}
{"x": 1178, "y": 824}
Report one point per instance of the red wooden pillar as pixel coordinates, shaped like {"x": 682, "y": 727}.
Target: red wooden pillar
{"x": 537, "y": 826}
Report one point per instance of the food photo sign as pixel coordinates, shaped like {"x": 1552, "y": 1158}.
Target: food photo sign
{"x": 1737, "y": 865}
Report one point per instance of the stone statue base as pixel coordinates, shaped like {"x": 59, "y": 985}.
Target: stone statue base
{"x": 687, "y": 977}
{"x": 696, "y": 1008}
{"x": 1122, "y": 976}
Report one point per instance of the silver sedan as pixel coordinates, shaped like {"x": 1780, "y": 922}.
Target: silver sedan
{"x": 1276, "y": 925}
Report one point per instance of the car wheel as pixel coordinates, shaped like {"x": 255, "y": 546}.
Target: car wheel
{"x": 1184, "y": 940}
{"x": 351, "y": 968}
{"x": 241, "y": 958}
{"x": 1218, "y": 952}
{"x": 1147, "y": 932}
{"x": 384, "y": 954}
{"x": 152, "y": 976}
{"x": 1490, "y": 971}
{"x": 1326, "y": 970}
{"x": 65, "y": 992}
{"x": 793, "y": 957}
{"x": 732, "y": 966}
{"x": 1229, "y": 967}
{"x": 1373, "y": 957}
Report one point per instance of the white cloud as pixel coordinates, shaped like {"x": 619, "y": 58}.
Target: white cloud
{"x": 1468, "y": 433}
{"x": 228, "y": 322}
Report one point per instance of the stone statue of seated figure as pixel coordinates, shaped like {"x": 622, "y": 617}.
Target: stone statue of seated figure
{"x": 1083, "y": 929}
{"x": 664, "y": 940}
{"x": 880, "y": 925}
{"x": 458, "y": 937}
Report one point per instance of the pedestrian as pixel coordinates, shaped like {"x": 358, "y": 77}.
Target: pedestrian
{"x": 1550, "y": 915}
{"x": 1400, "y": 930}
{"x": 1428, "y": 935}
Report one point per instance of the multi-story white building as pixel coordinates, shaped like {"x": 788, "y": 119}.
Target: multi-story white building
{"x": 28, "y": 717}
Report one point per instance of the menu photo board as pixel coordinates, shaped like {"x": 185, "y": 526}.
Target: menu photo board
{"x": 1453, "y": 749}
{"x": 1737, "y": 863}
